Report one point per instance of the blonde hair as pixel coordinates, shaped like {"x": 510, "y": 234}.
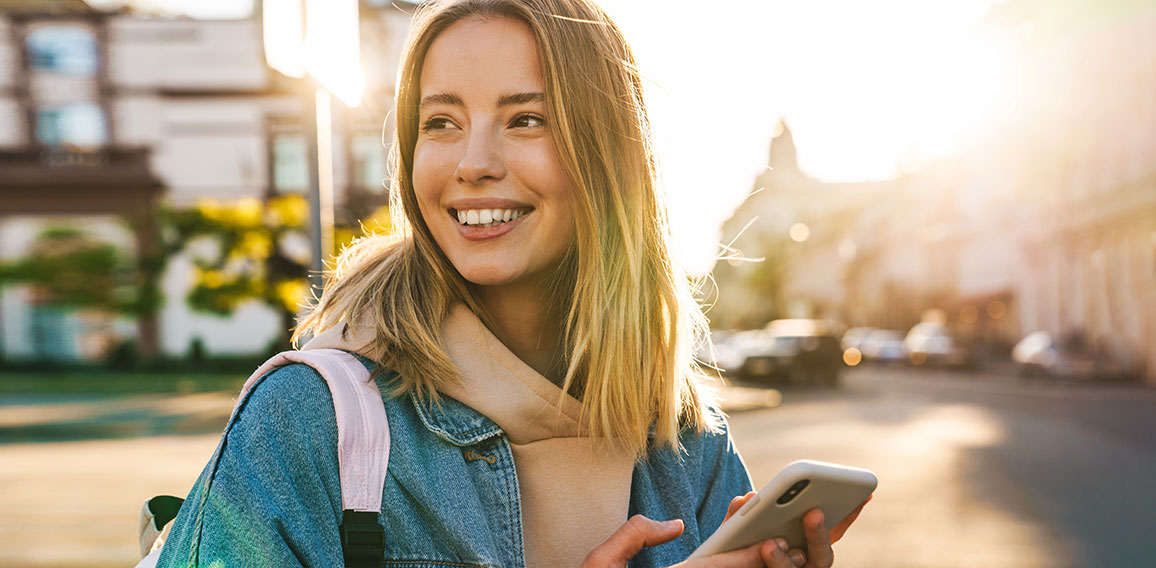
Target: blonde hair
{"x": 631, "y": 320}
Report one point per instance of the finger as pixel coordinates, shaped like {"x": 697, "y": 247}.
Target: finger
{"x": 775, "y": 555}
{"x": 796, "y": 556}
{"x": 841, "y": 528}
{"x": 638, "y": 532}
{"x": 785, "y": 557}
{"x": 754, "y": 556}
{"x": 737, "y": 503}
{"x": 819, "y": 553}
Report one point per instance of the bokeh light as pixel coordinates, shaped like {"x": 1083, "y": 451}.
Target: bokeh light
{"x": 800, "y": 232}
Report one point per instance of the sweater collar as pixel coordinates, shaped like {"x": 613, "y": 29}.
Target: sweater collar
{"x": 495, "y": 383}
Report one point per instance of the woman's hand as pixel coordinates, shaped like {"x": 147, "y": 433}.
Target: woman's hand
{"x": 819, "y": 539}
{"x": 640, "y": 532}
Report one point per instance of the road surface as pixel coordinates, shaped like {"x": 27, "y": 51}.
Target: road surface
{"x": 976, "y": 470}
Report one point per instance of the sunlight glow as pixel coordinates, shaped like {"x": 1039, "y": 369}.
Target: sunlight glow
{"x": 332, "y": 47}
{"x": 869, "y": 90}
{"x": 323, "y": 41}
{"x": 284, "y": 31}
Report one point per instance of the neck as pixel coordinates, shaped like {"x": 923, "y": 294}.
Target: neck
{"x": 527, "y": 326}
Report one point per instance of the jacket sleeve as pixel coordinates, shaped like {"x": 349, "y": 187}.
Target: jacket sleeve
{"x": 270, "y": 496}
{"x": 724, "y": 476}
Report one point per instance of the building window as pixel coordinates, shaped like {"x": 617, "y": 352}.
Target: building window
{"x": 368, "y": 161}
{"x": 290, "y": 165}
{"x": 68, "y": 50}
{"x": 73, "y": 124}
{"x": 53, "y": 333}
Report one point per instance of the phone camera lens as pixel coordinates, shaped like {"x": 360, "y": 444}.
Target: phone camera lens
{"x": 793, "y": 492}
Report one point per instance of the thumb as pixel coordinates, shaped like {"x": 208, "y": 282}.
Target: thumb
{"x": 638, "y": 532}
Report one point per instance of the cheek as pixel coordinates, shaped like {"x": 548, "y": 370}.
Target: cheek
{"x": 567, "y": 225}
{"x": 541, "y": 169}
{"x": 427, "y": 183}
{"x": 562, "y": 194}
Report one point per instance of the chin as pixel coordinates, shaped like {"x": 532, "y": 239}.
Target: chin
{"x": 488, "y": 275}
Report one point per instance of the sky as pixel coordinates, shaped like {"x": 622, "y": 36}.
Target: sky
{"x": 869, "y": 89}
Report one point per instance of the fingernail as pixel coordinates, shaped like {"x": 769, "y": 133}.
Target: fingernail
{"x": 671, "y": 524}
{"x": 776, "y": 552}
{"x": 781, "y": 543}
{"x": 798, "y": 558}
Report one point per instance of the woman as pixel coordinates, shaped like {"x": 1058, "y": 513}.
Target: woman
{"x": 530, "y": 329}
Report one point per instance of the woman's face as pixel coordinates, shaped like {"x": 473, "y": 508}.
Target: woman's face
{"x": 487, "y": 174}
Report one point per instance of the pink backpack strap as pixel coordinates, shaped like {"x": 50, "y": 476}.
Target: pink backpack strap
{"x": 362, "y": 426}
{"x": 362, "y": 453}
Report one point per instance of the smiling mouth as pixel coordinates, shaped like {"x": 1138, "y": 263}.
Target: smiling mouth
{"x": 487, "y": 217}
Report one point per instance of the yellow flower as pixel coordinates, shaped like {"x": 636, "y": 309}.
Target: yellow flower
{"x": 293, "y": 293}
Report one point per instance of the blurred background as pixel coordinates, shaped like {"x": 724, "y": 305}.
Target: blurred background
{"x": 925, "y": 231}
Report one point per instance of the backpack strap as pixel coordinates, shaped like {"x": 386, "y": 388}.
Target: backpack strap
{"x": 362, "y": 445}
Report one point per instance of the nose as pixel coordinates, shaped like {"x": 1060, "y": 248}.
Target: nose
{"x": 482, "y": 160}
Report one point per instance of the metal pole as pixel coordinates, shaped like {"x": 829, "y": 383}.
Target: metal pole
{"x": 320, "y": 147}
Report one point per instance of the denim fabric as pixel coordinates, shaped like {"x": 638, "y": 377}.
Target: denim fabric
{"x": 271, "y": 495}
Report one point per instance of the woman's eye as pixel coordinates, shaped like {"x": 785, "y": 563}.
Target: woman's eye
{"x": 436, "y": 123}
{"x": 528, "y": 121}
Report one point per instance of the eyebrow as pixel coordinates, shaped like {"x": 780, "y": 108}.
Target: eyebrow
{"x": 441, "y": 99}
{"x": 520, "y": 98}
{"x": 504, "y": 100}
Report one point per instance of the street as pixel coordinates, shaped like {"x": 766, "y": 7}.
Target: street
{"x": 975, "y": 469}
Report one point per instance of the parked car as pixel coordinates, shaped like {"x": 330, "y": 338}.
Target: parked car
{"x": 799, "y": 351}
{"x": 855, "y": 337}
{"x": 931, "y": 343}
{"x": 731, "y": 349}
{"x": 1040, "y": 354}
{"x": 884, "y": 346}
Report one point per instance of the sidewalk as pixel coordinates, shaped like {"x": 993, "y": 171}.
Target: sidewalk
{"x": 46, "y": 418}
{"x": 78, "y": 468}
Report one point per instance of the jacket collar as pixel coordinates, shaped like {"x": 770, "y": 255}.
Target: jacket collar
{"x": 498, "y": 393}
{"x": 453, "y": 421}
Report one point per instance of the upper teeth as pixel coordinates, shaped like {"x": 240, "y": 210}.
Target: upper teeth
{"x": 488, "y": 216}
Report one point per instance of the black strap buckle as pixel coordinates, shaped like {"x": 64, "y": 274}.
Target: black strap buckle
{"x": 362, "y": 539}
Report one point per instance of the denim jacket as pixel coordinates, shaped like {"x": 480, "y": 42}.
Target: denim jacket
{"x": 271, "y": 493}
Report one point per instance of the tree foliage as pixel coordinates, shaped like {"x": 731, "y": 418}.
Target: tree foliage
{"x": 244, "y": 250}
{"x": 251, "y": 249}
{"x": 70, "y": 268}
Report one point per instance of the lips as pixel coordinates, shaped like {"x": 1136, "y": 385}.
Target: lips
{"x": 489, "y": 230}
{"x": 487, "y": 217}
{"x": 481, "y": 218}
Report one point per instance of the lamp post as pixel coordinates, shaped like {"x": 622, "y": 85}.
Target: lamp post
{"x": 318, "y": 38}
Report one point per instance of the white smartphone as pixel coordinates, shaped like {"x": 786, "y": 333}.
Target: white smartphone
{"x": 777, "y": 511}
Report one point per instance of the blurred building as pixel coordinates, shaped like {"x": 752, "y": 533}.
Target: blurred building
{"x": 1046, "y": 222}
{"x": 104, "y": 115}
{"x": 793, "y": 244}
{"x": 1081, "y": 178}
